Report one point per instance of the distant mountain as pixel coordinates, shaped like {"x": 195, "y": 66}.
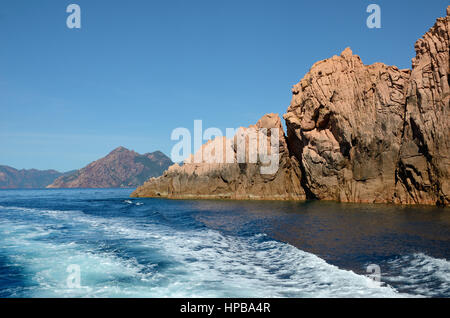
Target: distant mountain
{"x": 122, "y": 168}
{"x": 11, "y": 178}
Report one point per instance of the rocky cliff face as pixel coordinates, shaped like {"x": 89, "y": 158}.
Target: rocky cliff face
{"x": 423, "y": 170}
{"x": 345, "y": 127}
{"x": 355, "y": 133}
{"x": 376, "y": 133}
{"x": 211, "y": 178}
{"x": 120, "y": 168}
{"x": 11, "y": 178}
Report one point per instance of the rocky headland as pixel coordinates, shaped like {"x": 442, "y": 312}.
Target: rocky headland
{"x": 206, "y": 179}
{"x": 355, "y": 133}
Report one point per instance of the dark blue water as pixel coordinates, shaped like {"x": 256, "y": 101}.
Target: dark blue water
{"x": 126, "y": 247}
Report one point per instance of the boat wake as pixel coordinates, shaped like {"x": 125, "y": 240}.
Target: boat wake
{"x": 125, "y": 257}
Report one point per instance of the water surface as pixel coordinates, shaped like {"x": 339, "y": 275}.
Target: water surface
{"x": 161, "y": 248}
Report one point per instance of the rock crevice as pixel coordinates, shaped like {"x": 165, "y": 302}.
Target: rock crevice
{"x": 355, "y": 133}
{"x": 231, "y": 179}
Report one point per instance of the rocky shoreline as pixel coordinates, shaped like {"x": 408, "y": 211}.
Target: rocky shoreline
{"x": 355, "y": 133}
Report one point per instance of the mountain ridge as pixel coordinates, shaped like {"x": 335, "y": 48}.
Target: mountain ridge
{"x": 11, "y": 178}
{"x": 121, "y": 168}
{"x": 141, "y": 167}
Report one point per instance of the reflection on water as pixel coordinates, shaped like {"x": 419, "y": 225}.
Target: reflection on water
{"x": 346, "y": 235}
{"x": 163, "y": 248}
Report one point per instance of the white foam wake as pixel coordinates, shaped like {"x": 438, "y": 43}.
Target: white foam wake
{"x": 199, "y": 263}
{"x": 421, "y": 274}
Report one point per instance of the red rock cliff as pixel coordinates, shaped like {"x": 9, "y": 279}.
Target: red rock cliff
{"x": 355, "y": 133}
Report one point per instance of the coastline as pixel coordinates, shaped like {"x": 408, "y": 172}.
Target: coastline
{"x": 206, "y": 197}
{"x": 355, "y": 133}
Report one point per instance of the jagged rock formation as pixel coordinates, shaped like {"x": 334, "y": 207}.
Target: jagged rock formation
{"x": 11, "y": 178}
{"x": 120, "y": 168}
{"x": 424, "y": 167}
{"x": 355, "y": 133}
{"x": 375, "y": 133}
{"x": 345, "y": 127}
{"x": 211, "y": 178}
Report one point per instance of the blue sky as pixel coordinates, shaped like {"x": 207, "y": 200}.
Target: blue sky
{"x": 138, "y": 69}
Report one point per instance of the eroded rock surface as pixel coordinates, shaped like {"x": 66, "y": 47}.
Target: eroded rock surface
{"x": 375, "y": 133}
{"x": 228, "y": 178}
{"x": 355, "y": 133}
{"x": 345, "y": 125}
{"x": 424, "y": 167}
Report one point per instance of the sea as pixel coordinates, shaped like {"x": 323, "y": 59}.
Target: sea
{"x": 102, "y": 243}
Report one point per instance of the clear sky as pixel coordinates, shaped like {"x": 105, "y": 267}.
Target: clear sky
{"x": 137, "y": 69}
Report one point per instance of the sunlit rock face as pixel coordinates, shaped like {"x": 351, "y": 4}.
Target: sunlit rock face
{"x": 233, "y": 174}
{"x": 424, "y": 166}
{"x": 345, "y": 126}
{"x": 355, "y": 133}
{"x": 374, "y": 133}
